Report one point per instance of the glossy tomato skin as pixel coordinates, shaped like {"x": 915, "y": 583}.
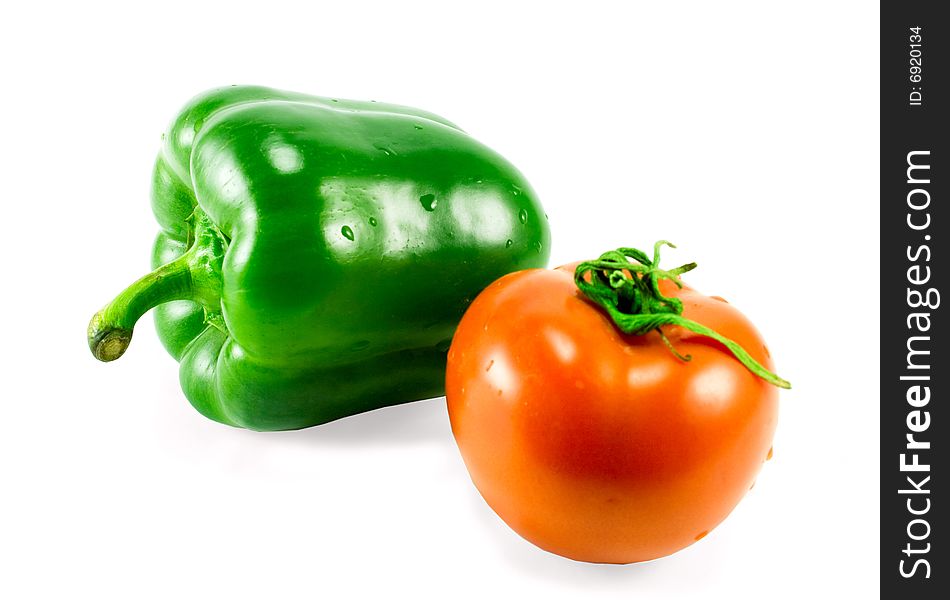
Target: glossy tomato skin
{"x": 600, "y": 446}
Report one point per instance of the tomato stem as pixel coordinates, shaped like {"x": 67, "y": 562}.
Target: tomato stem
{"x": 630, "y": 293}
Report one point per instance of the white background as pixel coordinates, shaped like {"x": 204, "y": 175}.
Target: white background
{"x": 746, "y": 132}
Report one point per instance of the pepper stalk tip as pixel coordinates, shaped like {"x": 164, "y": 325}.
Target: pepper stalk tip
{"x": 107, "y": 343}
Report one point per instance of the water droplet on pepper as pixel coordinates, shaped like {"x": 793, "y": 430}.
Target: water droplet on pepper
{"x": 429, "y": 202}
{"x": 385, "y": 150}
{"x": 348, "y": 233}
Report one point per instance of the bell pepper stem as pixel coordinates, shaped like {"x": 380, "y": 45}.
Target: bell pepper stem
{"x": 195, "y": 275}
{"x": 110, "y": 330}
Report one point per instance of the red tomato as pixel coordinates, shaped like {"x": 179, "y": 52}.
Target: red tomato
{"x": 601, "y": 446}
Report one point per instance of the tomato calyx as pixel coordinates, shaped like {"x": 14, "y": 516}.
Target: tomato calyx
{"x": 626, "y": 283}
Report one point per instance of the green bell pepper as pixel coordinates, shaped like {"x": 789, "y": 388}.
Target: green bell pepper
{"x": 317, "y": 254}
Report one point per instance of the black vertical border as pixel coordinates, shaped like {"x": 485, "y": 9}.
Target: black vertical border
{"x": 906, "y": 128}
